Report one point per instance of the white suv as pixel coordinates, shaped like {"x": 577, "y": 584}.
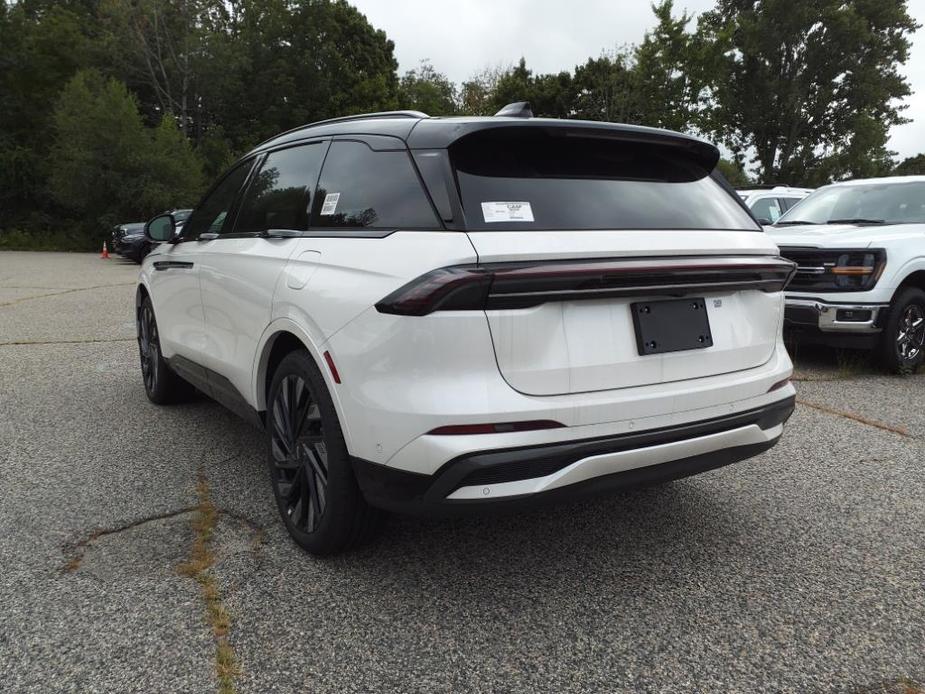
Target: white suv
{"x": 768, "y": 203}
{"x": 860, "y": 281}
{"x": 440, "y": 315}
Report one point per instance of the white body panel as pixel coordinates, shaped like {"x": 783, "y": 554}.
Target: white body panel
{"x": 404, "y": 376}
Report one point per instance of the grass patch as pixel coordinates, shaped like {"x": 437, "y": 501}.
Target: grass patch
{"x": 199, "y": 568}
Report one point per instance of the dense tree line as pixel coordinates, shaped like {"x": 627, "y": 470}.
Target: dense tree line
{"x": 112, "y": 110}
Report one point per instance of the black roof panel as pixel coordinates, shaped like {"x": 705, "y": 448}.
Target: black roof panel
{"x": 422, "y": 132}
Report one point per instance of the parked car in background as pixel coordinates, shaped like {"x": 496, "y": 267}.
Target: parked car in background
{"x": 768, "y": 203}
{"x": 445, "y": 315}
{"x": 128, "y": 240}
{"x": 860, "y": 281}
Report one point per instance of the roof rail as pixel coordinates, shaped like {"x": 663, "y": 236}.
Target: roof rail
{"x": 343, "y": 119}
{"x": 764, "y": 186}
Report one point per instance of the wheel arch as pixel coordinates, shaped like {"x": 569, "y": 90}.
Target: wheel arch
{"x": 915, "y": 279}
{"x": 279, "y": 339}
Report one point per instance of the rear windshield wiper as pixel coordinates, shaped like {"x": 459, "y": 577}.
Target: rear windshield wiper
{"x": 792, "y": 222}
{"x": 856, "y": 220}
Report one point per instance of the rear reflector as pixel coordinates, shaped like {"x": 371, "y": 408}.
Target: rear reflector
{"x": 501, "y": 428}
{"x": 779, "y": 385}
{"x": 522, "y": 285}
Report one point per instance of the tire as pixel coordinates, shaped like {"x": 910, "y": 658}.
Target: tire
{"x": 313, "y": 483}
{"x": 162, "y": 385}
{"x": 902, "y": 347}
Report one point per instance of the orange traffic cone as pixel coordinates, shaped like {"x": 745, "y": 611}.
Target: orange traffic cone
{"x": 105, "y": 253}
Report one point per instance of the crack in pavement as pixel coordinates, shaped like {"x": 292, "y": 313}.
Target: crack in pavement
{"x": 82, "y": 341}
{"x": 78, "y": 548}
{"x": 902, "y": 431}
{"x": 63, "y": 291}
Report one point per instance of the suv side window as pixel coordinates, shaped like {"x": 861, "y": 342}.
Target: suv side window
{"x": 363, "y": 188}
{"x": 767, "y": 208}
{"x": 211, "y": 216}
{"x": 279, "y": 194}
{"x": 787, "y": 203}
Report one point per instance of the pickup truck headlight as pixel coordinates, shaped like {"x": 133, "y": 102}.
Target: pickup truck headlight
{"x": 857, "y": 270}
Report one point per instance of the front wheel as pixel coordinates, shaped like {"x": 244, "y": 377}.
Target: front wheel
{"x": 162, "y": 385}
{"x": 902, "y": 347}
{"x": 316, "y": 492}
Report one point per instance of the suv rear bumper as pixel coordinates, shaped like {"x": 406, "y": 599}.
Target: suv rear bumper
{"x": 524, "y": 476}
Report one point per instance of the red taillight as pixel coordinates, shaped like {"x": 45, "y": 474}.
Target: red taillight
{"x": 450, "y": 288}
{"x": 500, "y": 428}
{"x": 330, "y": 360}
{"x": 522, "y": 285}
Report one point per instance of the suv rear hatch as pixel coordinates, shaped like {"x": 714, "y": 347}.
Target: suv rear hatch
{"x": 588, "y": 234}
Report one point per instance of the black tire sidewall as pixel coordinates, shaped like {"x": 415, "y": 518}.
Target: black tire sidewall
{"x": 344, "y": 500}
{"x": 891, "y": 359}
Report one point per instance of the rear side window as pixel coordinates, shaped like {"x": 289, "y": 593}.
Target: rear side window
{"x": 212, "y": 213}
{"x": 279, "y": 195}
{"x": 363, "y": 188}
{"x": 529, "y": 179}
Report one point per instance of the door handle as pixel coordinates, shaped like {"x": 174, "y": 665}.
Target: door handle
{"x": 167, "y": 264}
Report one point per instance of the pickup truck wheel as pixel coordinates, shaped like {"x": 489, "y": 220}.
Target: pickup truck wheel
{"x": 162, "y": 385}
{"x": 316, "y": 492}
{"x": 903, "y": 345}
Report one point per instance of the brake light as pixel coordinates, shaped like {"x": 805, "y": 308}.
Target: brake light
{"x": 500, "y": 428}
{"x": 450, "y": 288}
{"x": 523, "y": 285}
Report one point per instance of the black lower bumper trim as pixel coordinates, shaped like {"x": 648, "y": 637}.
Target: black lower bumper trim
{"x": 408, "y": 492}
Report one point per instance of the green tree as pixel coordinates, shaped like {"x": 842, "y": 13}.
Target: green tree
{"x": 808, "y": 86}
{"x": 671, "y": 70}
{"x": 911, "y": 166}
{"x": 734, "y": 173}
{"x": 427, "y": 90}
{"x": 549, "y": 95}
{"x": 42, "y": 44}
{"x": 606, "y": 89}
{"x": 105, "y": 167}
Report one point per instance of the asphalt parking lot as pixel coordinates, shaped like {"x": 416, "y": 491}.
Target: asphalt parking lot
{"x": 800, "y": 571}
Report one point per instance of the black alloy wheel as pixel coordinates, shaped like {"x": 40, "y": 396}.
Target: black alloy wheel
{"x": 162, "y": 385}
{"x": 299, "y": 456}
{"x": 316, "y": 492}
{"x": 903, "y": 341}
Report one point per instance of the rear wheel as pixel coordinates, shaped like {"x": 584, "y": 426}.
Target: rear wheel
{"x": 903, "y": 343}
{"x": 162, "y": 385}
{"x": 316, "y": 492}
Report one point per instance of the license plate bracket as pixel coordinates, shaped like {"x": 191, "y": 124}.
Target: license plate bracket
{"x": 671, "y": 326}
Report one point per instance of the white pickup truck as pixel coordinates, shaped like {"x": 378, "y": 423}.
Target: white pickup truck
{"x": 860, "y": 282}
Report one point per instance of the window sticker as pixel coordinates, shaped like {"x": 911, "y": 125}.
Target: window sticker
{"x": 507, "y": 212}
{"x": 330, "y": 204}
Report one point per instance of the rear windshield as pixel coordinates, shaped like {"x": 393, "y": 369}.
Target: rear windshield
{"x": 512, "y": 179}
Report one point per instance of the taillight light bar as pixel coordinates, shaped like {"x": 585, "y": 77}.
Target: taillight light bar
{"x": 499, "y": 428}
{"x": 522, "y": 285}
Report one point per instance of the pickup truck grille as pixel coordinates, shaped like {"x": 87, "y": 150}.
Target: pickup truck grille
{"x": 830, "y": 269}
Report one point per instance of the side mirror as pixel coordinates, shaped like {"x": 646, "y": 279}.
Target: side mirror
{"x": 161, "y": 229}
{"x": 764, "y": 221}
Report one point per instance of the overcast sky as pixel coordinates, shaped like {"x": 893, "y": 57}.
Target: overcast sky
{"x": 461, "y": 37}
